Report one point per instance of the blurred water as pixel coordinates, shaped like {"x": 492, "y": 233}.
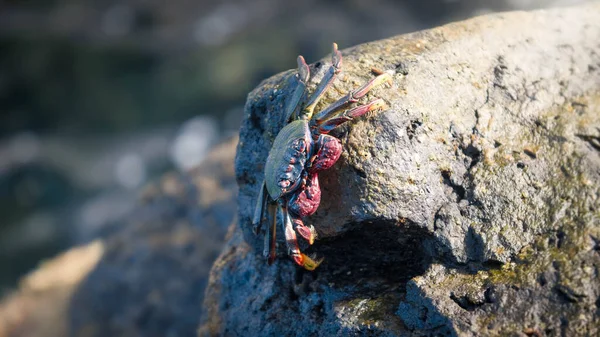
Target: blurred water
{"x": 99, "y": 97}
{"x": 193, "y": 142}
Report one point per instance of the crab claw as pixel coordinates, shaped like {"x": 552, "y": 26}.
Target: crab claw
{"x": 308, "y": 233}
{"x": 290, "y": 238}
{"x": 306, "y": 262}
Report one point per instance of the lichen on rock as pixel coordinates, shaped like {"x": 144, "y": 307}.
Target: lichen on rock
{"x": 469, "y": 207}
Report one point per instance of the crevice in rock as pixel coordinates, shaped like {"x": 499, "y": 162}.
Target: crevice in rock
{"x": 318, "y": 311}
{"x": 458, "y": 189}
{"x": 499, "y": 72}
{"x": 402, "y": 68}
{"x": 475, "y": 129}
{"x": 492, "y": 264}
{"x": 437, "y": 216}
{"x": 266, "y": 304}
{"x": 542, "y": 280}
{"x": 530, "y": 153}
{"x": 374, "y": 256}
{"x": 475, "y": 246}
{"x": 567, "y": 294}
{"x": 557, "y": 239}
{"x": 246, "y": 178}
{"x": 560, "y": 238}
{"x": 564, "y": 325}
{"x": 579, "y": 107}
{"x": 411, "y": 129}
{"x": 490, "y": 295}
{"x": 465, "y": 302}
{"x": 293, "y": 294}
{"x": 472, "y": 267}
{"x": 594, "y": 141}
{"x": 474, "y": 153}
{"x": 255, "y": 119}
{"x": 596, "y": 244}
{"x": 360, "y": 172}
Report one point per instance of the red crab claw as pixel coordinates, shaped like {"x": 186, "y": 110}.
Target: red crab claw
{"x": 292, "y": 243}
{"x": 307, "y": 262}
{"x": 308, "y": 233}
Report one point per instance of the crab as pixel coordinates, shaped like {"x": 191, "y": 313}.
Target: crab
{"x": 290, "y": 190}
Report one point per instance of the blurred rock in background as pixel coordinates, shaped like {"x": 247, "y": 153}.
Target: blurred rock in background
{"x": 98, "y": 97}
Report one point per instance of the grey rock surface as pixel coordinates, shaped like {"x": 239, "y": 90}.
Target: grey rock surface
{"x": 469, "y": 207}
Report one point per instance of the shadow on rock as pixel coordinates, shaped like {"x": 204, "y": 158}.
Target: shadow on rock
{"x": 367, "y": 276}
{"x": 419, "y": 313}
{"x": 375, "y": 255}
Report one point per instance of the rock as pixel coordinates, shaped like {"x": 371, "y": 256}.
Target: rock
{"x": 148, "y": 278}
{"x": 469, "y": 207}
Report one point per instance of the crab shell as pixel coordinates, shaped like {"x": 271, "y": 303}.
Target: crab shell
{"x": 285, "y": 164}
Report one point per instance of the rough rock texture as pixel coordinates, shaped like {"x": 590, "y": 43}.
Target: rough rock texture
{"x": 469, "y": 207}
{"x": 148, "y": 279}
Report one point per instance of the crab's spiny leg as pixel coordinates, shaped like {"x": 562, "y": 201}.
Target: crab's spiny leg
{"x": 351, "y": 97}
{"x": 334, "y": 69}
{"x": 292, "y": 244}
{"x": 302, "y": 76}
{"x": 269, "y": 251}
{"x": 342, "y": 117}
{"x": 259, "y": 210}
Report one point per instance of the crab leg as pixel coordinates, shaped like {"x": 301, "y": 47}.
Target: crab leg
{"x": 334, "y": 121}
{"x": 334, "y": 69}
{"x": 259, "y": 210}
{"x": 351, "y": 97}
{"x": 302, "y": 76}
{"x": 269, "y": 251}
{"x": 292, "y": 243}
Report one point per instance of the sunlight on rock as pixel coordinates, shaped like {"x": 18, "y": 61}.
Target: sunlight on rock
{"x": 68, "y": 268}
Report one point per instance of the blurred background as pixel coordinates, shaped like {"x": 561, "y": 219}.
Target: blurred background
{"x": 97, "y": 97}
